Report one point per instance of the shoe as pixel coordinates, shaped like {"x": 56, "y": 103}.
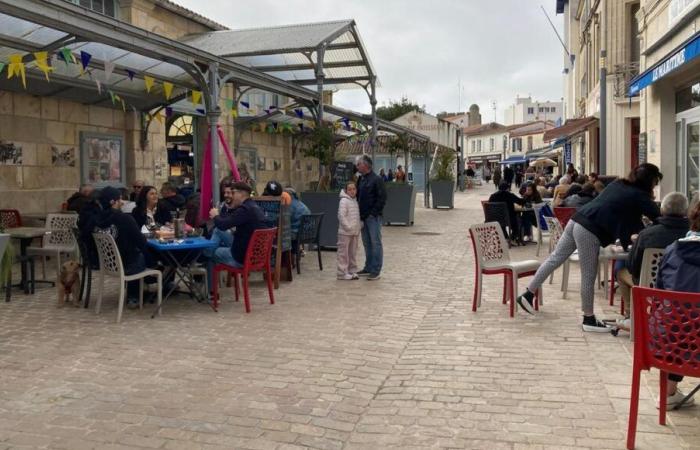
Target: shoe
{"x": 374, "y": 277}
{"x": 346, "y": 277}
{"x": 675, "y": 399}
{"x": 132, "y": 303}
{"x": 355, "y": 276}
{"x": 590, "y": 323}
{"x": 525, "y": 302}
{"x": 624, "y": 323}
{"x": 362, "y": 273}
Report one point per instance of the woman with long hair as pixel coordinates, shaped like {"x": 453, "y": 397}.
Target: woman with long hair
{"x": 147, "y": 211}
{"x": 615, "y": 214}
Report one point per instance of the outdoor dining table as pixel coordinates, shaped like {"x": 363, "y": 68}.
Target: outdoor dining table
{"x": 25, "y": 236}
{"x": 178, "y": 255}
{"x": 610, "y": 255}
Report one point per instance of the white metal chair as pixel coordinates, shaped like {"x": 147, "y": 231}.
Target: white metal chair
{"x": 111, "y": 266}
{"x": 651, "y": 260}
{"x": 537, "y": 208}
{"x": 58, "y": 241}
{"x": 555, "y": 233}
{"x": 493, "y": 258}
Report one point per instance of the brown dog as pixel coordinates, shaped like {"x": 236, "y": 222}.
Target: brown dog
{"x": 69, "y": 283}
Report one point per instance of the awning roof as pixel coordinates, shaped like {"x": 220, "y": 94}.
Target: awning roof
{"x": 570, "y": 127}
{"x": 290, "y": 52}
{"x": 515, "y": 159}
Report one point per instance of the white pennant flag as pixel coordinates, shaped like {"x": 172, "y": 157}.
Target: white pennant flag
{"x": 109, "y": 68}
{"x": 99, "y": 86}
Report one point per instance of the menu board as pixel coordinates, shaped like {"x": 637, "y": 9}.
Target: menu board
{"x": 343, "y": 172}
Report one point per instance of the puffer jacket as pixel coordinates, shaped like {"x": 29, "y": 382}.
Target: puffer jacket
{"x": 349, "y": 223}
{"x": 680, "y": 267}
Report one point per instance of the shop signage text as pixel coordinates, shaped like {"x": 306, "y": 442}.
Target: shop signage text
{"x": 669, "y": 65}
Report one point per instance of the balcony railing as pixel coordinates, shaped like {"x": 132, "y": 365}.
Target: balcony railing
{"x": 623, "y": 74}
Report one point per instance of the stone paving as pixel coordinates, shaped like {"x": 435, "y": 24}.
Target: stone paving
{"x": 402, "y": 362}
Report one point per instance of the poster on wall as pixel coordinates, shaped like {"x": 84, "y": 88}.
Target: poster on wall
{"x": 10, "y": 154}
{"x": 102, "y": 159}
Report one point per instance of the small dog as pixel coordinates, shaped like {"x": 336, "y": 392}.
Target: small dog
{"x": 69, "y": 283}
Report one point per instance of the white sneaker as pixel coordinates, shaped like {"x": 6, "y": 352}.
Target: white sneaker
{"x": 594, "y": 325}
{"x": 624, "y": 323}
{"x": 675, "y": 399}
{"x": 346, "y": 277}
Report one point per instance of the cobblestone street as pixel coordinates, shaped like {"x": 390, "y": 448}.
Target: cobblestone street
{"x": 401, "y": 362}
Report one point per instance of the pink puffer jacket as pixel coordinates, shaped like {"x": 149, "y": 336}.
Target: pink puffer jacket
{"x": 349, "y": 223}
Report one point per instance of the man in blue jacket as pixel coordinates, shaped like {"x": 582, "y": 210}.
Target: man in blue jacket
{"x": 371, "y": 196}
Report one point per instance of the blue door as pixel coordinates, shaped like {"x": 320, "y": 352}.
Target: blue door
{"x": 417, "y": 173}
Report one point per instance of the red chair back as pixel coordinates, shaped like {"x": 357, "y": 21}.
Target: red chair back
{"x": 667, "y": 331}
{"x": 10, "y": 218}
{"x": 564, "y": 214}
{"x": 259, "y": 251}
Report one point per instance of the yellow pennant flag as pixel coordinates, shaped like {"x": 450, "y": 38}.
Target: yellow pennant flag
{"x": 149, "y": 83}
{"x": 167, "y": 89}
{"x": 234, "y": 112}
{"x": 16, "y": 67}
{"x": 42, "y": 62}
{"x": 123, "y": 104}
{"x": 159, "y": 118}
{"x": 196, "y": 97}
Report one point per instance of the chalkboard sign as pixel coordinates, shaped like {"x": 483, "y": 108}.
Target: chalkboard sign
{"x": 342, "y": 174}
{"x": 642, "y": 149}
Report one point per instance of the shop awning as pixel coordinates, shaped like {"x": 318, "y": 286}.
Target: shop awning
{"x": 570, "y": 128}
{"x": 685, "y": 52}
{"x": 515, "y": 159}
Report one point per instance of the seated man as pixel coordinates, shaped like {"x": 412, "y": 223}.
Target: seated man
{"x": 671, "y": 226}
{"x": 171, "y": 201}
{"x": 223, "y": 238}
{"x": 504, "y": 195}
{"x": 130, "y": 241}
{"x": 297, "y": 209}
{"x": 245, "y": 219}
{"x": 679, "y": 271}
{"x": 80, "y": 198}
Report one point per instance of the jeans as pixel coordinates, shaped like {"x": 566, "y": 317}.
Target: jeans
{"x": 372, "y": 241}
{"x": 136, "y": 266}
{"x": 221, "y": 238}
{"x": 221, "y": 255}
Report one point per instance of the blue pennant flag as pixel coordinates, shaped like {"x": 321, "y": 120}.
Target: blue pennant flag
{"x": 131, "y": 74}
{"x": 246, "y": 104}
{"x": 299, "y": 113}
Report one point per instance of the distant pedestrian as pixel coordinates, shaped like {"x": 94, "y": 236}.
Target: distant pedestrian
{"x": 400, "y": 175}
{"x": 349, "y": 228}
{"x": 371, "y": 195}
{"x": 497, "y": 176}
{"x": 390, "y": 176}
{"x": 508, "y": 175}
{"x": 518, "y": 176}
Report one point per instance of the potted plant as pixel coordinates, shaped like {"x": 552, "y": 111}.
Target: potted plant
{"x": 442, "y": 181}
{"x": 400, "y": 196}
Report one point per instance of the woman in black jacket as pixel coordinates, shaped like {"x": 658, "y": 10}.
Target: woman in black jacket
{"x": 615, "y": 214}
{"x": 147, "y": 211}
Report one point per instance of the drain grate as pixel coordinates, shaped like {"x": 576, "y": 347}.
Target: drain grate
{"x": 426, "y": 233}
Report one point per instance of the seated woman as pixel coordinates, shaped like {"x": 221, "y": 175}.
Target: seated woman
{"x": 531, "y": 197}
{"x": 679, "y": 271}
{"x": 147, "y": 211}
{"x": 504, "y": 195}
{"x": 579, "y": 196}
{"x": 561, "y": 191}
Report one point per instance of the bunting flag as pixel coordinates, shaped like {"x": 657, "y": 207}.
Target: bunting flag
{"x": 109, "y": 68}
{"x": 42, "y": 62}
{"x": 299, "y": 113}
{"x": 167, "y": 89}
{"x": 196, "y": 97}
{"x": 113, "y": 97}
{"x": 2, "y": 66}
{"x": 201, "y": 111}
{"x": 246, "y": 105}
{"x": 123, "y": 104}
{"x": 16, "y": 67}
{"x": 99, "y": 86}
{"x": 67, "y": 55}
{"x": 85, "y": 58}
{"x": 234, "y": 113}
{"x": 130, "y": 74}
{"x": 229, "y": 103}
{"x": 149, "y": 83}
{"x": 159, "y": 117}
{"x": 168, "y": 111}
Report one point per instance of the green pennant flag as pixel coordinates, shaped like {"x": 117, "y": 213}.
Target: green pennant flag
{"x": 229, "y": 104}
{"x": 67, "y": 55}
{"x": 2, "y": 66}
{"x": 113, "y": 97}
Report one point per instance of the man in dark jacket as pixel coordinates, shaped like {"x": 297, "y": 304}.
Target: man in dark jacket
{"x": 245, "y": 219}
{"x": 130, "y": 241}
{"x": 503, "y": 195}
{"x": 80, "y": 198}
{"x": 671, "y": 226}
{"x": 371, "y": 196}
{"x": 171, "y": 201}
{"x": 508, "y": 175}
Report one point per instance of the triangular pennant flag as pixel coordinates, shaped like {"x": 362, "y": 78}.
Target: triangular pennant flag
{"x": 234, "y": 112}
{"x": 168, "y": 111}
{"x": 167, "y": 89}
{"x": 123, "y": 104}
{"x": 113, "y": 97}
{"x": 272, "y": 107}
{"x": 159, "y": 117}
{"x": 130, "y": 74}
{"x": 109, "y": 68}
{"x": 67, "y": 55}
{"x": 42, "y": 62}
{"x": 99, "y": 86}
{"x": 149, "y": 83}
{"x": 246, "y": 104}
{"x": 85, "y": 58}
{"x": 2, "y": 66}
{"x": 196, "y": 97}
{"x": 299, "y": 113}
{"x": 201, "y": 111}
{"x": 16, "y": 67}
{"x": 229, "y": 103}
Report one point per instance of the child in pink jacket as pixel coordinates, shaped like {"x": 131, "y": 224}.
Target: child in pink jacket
{"x": 349, "y": 228}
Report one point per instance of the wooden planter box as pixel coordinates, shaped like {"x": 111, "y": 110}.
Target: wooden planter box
{"x": 327, "y": 203}
{"x": 400, "y": 204}
{"x": 443, "y": 194}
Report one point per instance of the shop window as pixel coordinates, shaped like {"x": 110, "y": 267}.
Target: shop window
{"x": 107, "y": 7}
{"x": 478, "y": 145}
{"x": 492, "y": 144}
{"x": 531, "y": 110}
{"x": 688, "y": 98}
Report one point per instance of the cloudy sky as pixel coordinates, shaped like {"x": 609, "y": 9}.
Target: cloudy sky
{"x": 421, "y": 48}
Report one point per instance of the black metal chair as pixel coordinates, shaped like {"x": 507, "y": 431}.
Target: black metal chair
{"x": 87, "y": 267}
{"x": 309, "y": 233}
{"x": 498, "y": 212}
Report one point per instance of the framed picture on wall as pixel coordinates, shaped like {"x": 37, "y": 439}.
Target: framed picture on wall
{"x": 102, "y": 159}
{"x": 247, "y": 160}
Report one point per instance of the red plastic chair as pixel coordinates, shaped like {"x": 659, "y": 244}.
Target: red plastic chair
{"x": 10, "y": 218}
{"x": 564, "y": 214}
{"x": 257, "y": 259}
{"x": 666, "y": 335}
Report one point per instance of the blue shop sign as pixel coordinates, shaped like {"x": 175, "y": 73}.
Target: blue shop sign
{"x": 687, "y": 52}
{"x": 568, "y": 159}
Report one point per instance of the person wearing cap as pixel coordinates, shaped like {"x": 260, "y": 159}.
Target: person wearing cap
{"x": 244, "y": 220}
{"x": 130, "y": 242}
{"x": 274, "y": 189}
{"x": 297, "y": 209}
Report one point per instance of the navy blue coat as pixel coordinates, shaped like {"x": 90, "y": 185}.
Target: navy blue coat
{"x": 371, "y": 195}
{"x": 680, "y": 267}
{"x": 246, "y": 219}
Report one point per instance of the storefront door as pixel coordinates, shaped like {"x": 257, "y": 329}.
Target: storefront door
{"x": 688, "y": 151}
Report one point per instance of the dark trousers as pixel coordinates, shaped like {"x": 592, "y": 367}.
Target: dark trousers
{"x": 134, "y": 267}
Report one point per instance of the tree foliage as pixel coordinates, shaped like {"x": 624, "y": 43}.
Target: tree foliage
{"x": 397, "y": 109}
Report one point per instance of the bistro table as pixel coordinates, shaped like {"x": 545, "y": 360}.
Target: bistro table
{"x": 610, "y": 255}
{"x": 178, "y": 255}
{"x": 521, "y": 211}
{"x": 25, "y": 236}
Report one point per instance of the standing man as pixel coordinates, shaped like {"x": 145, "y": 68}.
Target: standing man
{"x": 372, "y": 197}
{"x": 508, "y": 175}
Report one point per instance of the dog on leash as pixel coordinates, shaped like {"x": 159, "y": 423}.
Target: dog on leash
{"x": 69, "y": 283}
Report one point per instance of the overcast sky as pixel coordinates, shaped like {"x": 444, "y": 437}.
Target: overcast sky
{"x": 420, "y": 48}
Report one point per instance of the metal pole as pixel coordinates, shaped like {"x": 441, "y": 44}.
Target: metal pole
{"x": 213, "y": 116}
{"x": 373, "y": 103}
{"x": 602, "y": 144}
{"x": 320, "y": 76}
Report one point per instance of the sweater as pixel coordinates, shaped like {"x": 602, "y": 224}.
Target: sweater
{"x": 247, "y": 218}
{"x": 349, "y": 223}
{"x": 125, "y": 232}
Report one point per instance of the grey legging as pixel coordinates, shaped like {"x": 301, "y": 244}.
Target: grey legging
{"x": 575, "y": 237}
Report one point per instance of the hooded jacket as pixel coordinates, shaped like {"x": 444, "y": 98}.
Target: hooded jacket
{"x": 665, "y": 232}
{"x": 125, "y": 232}
{"x": 349, "y": 223}
{"x": 680, "y": 267}
{"x": 77, "y": 201}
